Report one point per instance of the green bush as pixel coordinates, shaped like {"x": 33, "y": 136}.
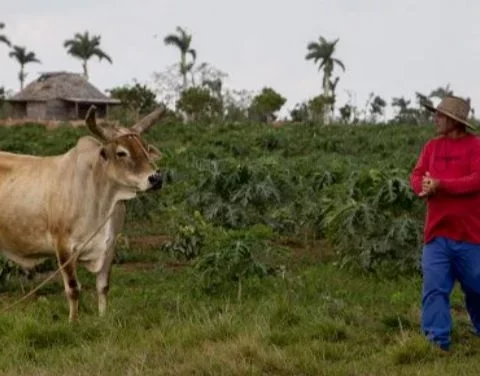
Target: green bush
{"x": 347, "y": 186}
{"x": 373, "y": 221}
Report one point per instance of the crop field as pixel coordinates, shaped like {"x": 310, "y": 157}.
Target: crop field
{"x": 269, "y": 251}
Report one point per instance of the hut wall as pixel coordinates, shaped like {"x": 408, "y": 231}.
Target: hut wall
{"x": 18, "y": 110}
{"x": 59, "y": 110}
{"x": 83, "y": 108}
{"x": 36, "y": 110}
{"x": 72, "y": 111}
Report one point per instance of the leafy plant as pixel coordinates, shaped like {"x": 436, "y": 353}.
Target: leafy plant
{"x": 232, "y": 263}
{"x": 7, "y": 270}
{"x": 233, "y": 195}
{"x": 189, "y": 238}
{"x": 371, "y": 225}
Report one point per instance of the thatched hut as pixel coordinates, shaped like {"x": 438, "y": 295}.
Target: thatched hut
{"x": 59, "y": 96}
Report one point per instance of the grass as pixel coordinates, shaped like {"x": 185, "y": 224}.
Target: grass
{"x": 315, "y": 320}
{"x": 311, "y": 319}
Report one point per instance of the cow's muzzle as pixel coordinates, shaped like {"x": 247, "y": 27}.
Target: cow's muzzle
{"x": 155, "y": 180}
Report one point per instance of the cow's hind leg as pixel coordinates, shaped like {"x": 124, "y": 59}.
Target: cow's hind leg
{"x": 70, "y": 282}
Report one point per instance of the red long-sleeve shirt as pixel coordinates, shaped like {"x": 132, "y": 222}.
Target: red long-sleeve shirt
{"x": 453, "y": 210}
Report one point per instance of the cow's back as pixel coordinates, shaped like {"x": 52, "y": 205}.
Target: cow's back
{"x": 27, "y": 189}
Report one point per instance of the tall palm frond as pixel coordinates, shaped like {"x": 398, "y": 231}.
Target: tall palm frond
{"x": 23, "y": 58}
{"x": 84, "y": 47}
{"x": 3, "y": 38}
{"x": 322, "y": 52}
{"x": 183, "y": 42}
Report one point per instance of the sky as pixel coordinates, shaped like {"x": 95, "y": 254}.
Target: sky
{"x": 392, "y": 48}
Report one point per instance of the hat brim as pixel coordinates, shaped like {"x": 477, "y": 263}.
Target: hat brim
{"x": 450, "y": 115}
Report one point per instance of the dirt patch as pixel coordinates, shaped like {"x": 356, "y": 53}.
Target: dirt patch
{"x": 150, "y": 240}
{"x": 136, "y": 266}
{"x": 318, "y": 250}
{"x": 144, "y": 266}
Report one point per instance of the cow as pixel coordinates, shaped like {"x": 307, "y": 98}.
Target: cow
{"x": 72, "y": 206}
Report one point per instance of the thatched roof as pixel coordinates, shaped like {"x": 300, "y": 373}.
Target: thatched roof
{"x": 68, "y": 86}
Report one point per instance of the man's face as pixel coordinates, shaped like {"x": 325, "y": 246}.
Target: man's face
{"x": 444, "y": 124}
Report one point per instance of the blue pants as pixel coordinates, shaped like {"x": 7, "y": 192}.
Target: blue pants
{"x": 443, "y": 262}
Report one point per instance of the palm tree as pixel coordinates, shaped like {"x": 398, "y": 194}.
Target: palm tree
{"x": 377, "y": 107}
{"x": 401, "y": 103}
{"x": 3, "y": 38}
{"x": 332, "y": 85}
{"x": 441, "y": 92}
{"x": 405, "y": 114}
{"x": 23, "y": 58}
{"x": 183, "y": 42}
{"x": 323, "y": 51}
{"x": 84, "y": 47}
{"x": 424, "y": 114}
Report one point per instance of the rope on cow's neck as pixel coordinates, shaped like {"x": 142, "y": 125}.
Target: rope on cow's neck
{"x": 74, "y": 254}
{"x": 135, "y": 137}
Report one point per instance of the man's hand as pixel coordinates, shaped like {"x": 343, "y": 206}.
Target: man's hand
{"x": 429, "y": 185}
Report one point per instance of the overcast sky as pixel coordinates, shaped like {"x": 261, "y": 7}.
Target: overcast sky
{"x": 391, "y": 47}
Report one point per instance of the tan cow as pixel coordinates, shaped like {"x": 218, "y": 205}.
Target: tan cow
{"x": 50, "y": 206}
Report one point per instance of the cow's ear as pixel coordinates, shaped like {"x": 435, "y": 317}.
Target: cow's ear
{"x": 154, "y": 153}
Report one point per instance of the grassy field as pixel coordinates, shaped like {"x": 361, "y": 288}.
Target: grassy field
{"x": 289, "y": 251}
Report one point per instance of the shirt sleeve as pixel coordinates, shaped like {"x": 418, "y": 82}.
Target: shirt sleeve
{"x": 465, "y": 184}
{"x": 421, "y": 167}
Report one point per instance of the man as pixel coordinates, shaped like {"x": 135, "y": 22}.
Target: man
{"x": 447, "y": 176}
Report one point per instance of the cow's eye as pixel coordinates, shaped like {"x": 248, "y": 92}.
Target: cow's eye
{"x": 121, "y": 154}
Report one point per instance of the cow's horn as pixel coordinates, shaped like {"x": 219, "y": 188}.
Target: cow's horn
{"x": 148, "y": 120}
{"x": 92, "y": 125}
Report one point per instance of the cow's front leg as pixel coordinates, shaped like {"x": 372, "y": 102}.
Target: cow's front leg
{"x": 70, "y": 282}
{"x": 103, "y": 276}
{"x": 103, "y": 284}
{"x": 103, "y": 281}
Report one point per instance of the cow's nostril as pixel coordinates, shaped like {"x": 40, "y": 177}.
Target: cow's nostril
{"x": 155, "y": 180}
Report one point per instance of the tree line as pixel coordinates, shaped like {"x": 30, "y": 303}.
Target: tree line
{"x": 199, "y": 94}
{"x": 82, "y": 46}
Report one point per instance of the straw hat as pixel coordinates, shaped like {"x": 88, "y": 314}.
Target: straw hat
{"x": 454, "y": 107}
